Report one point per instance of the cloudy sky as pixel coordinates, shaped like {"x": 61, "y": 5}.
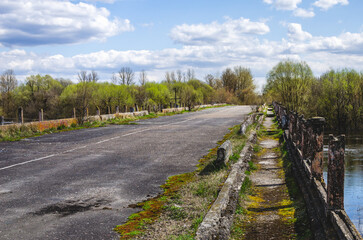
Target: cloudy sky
{"x": 62, "y": 37}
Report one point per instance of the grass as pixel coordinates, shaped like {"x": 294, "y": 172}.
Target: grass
{"x": 186, "y": 198}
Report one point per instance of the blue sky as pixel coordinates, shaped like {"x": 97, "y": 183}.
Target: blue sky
{"x": 63, "y": 37}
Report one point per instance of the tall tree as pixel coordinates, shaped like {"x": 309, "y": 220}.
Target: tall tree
{"x": 290, "y": 82}
{"x": 126, "y": 76}
{"x": 8, "y": 83}
{"x": 142, "y": 77}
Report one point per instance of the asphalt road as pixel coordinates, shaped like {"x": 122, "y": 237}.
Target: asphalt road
{"x": 79, "y": 184}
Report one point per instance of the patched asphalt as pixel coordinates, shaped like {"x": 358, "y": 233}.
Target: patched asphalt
{"x": 79, "y": 184}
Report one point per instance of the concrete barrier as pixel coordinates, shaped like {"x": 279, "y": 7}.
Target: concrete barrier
{"x": 224, "y": 152}
{"x": 218, "y": 221}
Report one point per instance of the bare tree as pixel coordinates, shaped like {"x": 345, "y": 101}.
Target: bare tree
{"x": 143, "y": 77}
{"x": 209, "y": 79}
{"x": 83, "y": 76}
{"x": 179, "y": 76}
{"x": 8, "y": 83}
{"x": 172, "y": 76}
{"x": 93, "y": 76}
{"x": 190, "y": 74}
{"x": 167, "y": 77}
{"x": 126, "y": 76}
{"x": 114, "y": 78}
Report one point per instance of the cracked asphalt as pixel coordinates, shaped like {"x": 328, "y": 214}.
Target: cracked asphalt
{"x": 79, "y": 184}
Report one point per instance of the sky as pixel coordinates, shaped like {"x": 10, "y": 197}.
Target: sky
{"x": 63, "y": 37}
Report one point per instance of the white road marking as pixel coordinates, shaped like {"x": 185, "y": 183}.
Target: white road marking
{"x": 103, "y": 141}
{"x": 30, "y": 161}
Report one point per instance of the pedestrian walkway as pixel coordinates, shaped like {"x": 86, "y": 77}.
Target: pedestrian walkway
{"x": 271, "y": 211}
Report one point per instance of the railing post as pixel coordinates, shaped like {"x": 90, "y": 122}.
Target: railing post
{"x": 317, "y": 146}
{"x": 304, "y": 138}
{"x": 20, "y": 115}
{"x": 336, "y": 172}
{"x": 2, "y": 120}
{"x": 41, "y": 115}
{"x": 291, "y": 125}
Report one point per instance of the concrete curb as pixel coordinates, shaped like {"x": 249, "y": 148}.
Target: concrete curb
{"x": 217, "y": 222}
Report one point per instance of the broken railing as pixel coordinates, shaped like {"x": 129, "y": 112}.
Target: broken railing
{"x": 305, "y": 141}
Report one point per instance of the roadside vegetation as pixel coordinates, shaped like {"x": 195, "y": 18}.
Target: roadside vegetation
{"x": 59, "y": 97}
{"x": 336, "y": 95}
{"x": 177, "y": 213}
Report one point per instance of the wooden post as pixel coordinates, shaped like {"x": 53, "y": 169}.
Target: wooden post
{"x": 109, "y": 110}
{"x": 117, "y": 109}
{"x": 336, "y": 172}
{"x": 74, "y": 113}
{"x": 20, "y": 115}
{"x": 41, "y": 115}
{"x": 125, "y": 108}
{"x": 317, "y": 146}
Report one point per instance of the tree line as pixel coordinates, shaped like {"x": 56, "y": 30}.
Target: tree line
{"x": 336, "y": 95}
{"x": 58, "y": 97}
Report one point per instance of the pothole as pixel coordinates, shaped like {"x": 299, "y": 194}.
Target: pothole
{"x": 70, "y": 207}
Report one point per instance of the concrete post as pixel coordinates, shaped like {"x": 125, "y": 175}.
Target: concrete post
{"x": 20, "y": 115}
{"x": 299, "y": 131}
{"x": 304, "y": 138}
{"x": 291, "y": 128}
{"x": 336, "y": 172}
{"x": 317, "y": 145}
{"x": 2, "y": 120}
{"x": 117, "y": 109}
{"x": 74, "y": 113}
{"x": 41, "y": 115}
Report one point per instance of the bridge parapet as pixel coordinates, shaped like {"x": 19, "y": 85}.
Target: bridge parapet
{"x": 304, "y": 140}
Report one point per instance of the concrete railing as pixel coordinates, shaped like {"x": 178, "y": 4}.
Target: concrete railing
{"x": 218, "y": 221}
{"x": 325, "y": 203}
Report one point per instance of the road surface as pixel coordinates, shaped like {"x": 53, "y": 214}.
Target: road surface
{"x": 79, "y": 184}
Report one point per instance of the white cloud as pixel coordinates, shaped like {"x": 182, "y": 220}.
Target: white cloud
{"x": 321, "y": 53}
{"x": 231, "y": 31}
{"x": 104, "y": 1}
{"x": 299, "y": 12}
{"x": 346, "y": 43}
{"x": 326, "y": 4}
{"x": 284, "y": 4}
{"x": 296, "y": 33}
{"x": 40, "y": 22}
